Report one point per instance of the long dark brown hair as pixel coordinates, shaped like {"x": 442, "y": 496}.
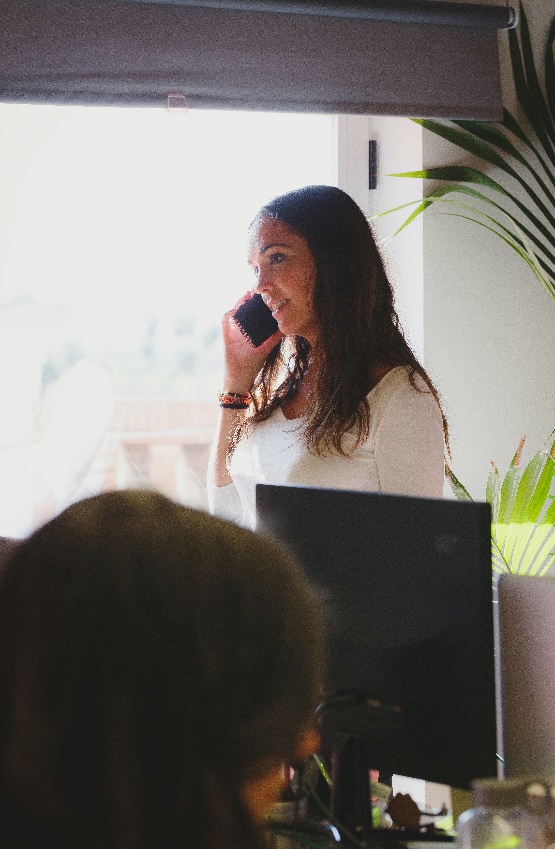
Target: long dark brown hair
{"x": 152, "y": 659}
{"x": 359, "y": 331}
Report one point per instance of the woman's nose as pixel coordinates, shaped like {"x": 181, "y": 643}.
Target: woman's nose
{"x": 261, "y": 282}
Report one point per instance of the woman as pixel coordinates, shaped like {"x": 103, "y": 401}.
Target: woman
{"x": 335, "y": 398}
{"x": 154, "y": 676}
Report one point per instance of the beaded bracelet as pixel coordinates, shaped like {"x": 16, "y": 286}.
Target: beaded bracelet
{"x": 234, "y": 400}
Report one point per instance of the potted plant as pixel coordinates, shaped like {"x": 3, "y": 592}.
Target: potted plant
{"x": 523, "y": 512}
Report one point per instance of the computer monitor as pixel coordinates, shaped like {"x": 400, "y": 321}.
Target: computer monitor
{"x": 406, "y": 588}
{"x": 527, "y": 682}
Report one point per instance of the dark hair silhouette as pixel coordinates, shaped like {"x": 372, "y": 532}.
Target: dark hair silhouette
{"x": 152, "y": 659}
{"x": 359, "y": 332}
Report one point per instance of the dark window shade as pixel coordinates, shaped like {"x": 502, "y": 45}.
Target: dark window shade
{"x": 404, "y": 11}
{"x": 111, "y": 52}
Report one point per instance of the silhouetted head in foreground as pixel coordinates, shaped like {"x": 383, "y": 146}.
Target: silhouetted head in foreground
{"x": 157, "y": 665}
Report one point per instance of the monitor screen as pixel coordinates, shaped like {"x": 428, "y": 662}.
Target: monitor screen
{"x": 406, "y": 588}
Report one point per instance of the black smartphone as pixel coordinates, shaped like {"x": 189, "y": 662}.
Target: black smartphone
{"x": 256, "y": 321}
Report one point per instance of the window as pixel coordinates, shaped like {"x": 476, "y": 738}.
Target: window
{"x": 124, "y": 238}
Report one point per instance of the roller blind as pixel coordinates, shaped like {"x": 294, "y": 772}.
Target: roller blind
{"x": 397, "y": 58}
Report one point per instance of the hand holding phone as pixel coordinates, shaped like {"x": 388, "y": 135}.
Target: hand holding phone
{"x": 255, "y": 320}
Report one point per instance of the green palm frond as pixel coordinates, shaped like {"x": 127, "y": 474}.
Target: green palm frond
{"x": 520, "y": 239}
{"x": 523, "y": 156}
{"x": 523, "y": 513}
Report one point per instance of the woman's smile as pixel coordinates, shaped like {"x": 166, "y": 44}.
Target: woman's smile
{"x": 275, "y": 306}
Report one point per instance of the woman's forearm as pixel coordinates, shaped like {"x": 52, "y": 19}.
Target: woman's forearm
{"x": 228, "y": 421}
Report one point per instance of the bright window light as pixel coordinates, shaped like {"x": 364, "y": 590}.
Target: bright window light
{"x": 124, "y": 241}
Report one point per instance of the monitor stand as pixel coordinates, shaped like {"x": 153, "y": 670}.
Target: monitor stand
{"x": 352, "y": 724}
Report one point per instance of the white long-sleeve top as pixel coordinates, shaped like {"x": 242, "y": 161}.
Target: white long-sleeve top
{"x": 404, "y": 452}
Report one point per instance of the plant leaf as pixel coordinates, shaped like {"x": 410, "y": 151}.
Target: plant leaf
{"x": 493, "y": 492}
{"x": 538, "y": 267}
{"x": 520, "y": 240}
{"x": 530, "y": 478}
{"x": 541, "y": 547}
{"x": 509, "y": 489}
{"x": 494, "y": 134}
{"x": 550, "y": 69}
{"x": 523, "y": 92}
{"x": 544, "y": 469}
{"x": 466, "y": 141}
{"x": 514, "y": 127}
{"x": 494, "y": 144}
{"x": 485, "y": 151}
{"x": 512, "y": 241}
{"x": 531, "y": 496}
{"x": 420, "y": 209}
{"x": 461, "y": 173}
{"x": 530, "y": 260}
{"x": 536, "y": 95}
{"x": 499, "y": 564}
{"x": 518, "y": 243}
{"x": 535, "y": 546}
{"x": 522, "y": 529}
{"x": 458, "y": 489}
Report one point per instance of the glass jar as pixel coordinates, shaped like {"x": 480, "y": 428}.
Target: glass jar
{"x": 540, "y": 801}
{"x": 499, "y": 818}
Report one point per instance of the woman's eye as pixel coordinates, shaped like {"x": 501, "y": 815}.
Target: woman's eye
{"x": 276, "y": 258}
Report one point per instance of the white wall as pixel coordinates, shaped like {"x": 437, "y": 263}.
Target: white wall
{"x": 473, "y": 311}
{"x": 489, "y": 328}
{"x": 399, "y": 149}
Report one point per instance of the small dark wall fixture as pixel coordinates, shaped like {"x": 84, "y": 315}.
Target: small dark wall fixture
{"x": 372, "y": 164}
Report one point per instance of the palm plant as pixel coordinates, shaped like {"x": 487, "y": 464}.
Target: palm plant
{"x": 525, "y": 156}
{"x": 523, "y": 513}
